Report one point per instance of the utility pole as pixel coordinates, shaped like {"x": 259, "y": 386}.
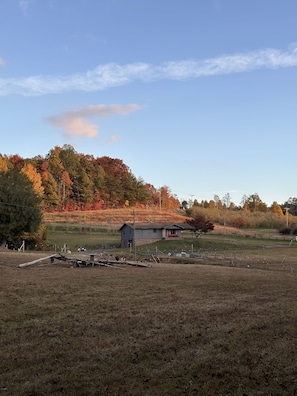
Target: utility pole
{"x": 160, "y": 199}
{"x": 134, "y": 239}
{"x": 287, "y": 217}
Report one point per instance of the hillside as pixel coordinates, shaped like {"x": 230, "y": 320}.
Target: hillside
{"x": 116, "y": 216}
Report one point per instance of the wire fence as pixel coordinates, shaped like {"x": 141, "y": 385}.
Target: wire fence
{"x": 272, "y": 259}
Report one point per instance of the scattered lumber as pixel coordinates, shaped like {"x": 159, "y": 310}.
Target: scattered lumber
{"x": 36, "y": 261}
{"x": 88, "y": 262}
{"x": 156, "y": 259}
{"x": 137, "y": 264}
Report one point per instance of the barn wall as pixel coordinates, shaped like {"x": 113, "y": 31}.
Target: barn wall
{"x": 148, "y": 234}
{"x": 143, "y": 236}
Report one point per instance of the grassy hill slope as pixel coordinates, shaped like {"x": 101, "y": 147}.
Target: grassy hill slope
{"x": 116, "y": 216}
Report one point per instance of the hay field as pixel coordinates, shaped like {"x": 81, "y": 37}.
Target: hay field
{"x": 172, "y": 329}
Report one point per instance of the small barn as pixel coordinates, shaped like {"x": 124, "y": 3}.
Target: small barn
{"x": 143, "y": 233}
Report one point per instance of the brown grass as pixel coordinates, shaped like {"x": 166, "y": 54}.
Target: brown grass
{"x": 115, "y": 216}
{"x": 166, "y": 330}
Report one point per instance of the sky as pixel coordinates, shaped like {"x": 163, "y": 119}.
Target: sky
{"x": 199, "y": 96}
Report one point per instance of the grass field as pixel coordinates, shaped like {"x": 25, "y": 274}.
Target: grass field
{"x": 172, "y": 329}
{"x": 78, "y": 236}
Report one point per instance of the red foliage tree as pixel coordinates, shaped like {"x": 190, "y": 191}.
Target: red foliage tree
{"x": 200, "y": 225}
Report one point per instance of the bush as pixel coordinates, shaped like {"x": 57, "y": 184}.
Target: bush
{"x": 238, "y": 222}
{"x": 285, "y": 231}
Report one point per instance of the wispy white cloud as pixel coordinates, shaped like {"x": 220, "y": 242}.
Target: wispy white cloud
{"x": 1, "y": 62}
{"x": 74, "y": 123}
{"x": 112, "y": 75}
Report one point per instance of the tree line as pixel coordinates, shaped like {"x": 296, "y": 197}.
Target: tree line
{"x": 67, "y": 180}
{"x": 249, "y": 203}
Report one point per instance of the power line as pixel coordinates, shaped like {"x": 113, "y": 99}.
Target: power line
{"x": 16, "y": 205}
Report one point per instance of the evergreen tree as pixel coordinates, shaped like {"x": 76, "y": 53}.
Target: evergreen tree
{"x": 20, "y": 207}
{"x": 51, "y": 197}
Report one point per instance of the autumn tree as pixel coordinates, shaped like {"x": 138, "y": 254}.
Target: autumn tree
{"x": 65, "y": 190}
{"x": 16, "y": 161}
{"x": 55, "y": 166}
{"x": 153, "y": 195}
{"x": 51, "y": 197}
{"x": 141, "y": 191}
{"x": 30, "y": 171}
{"x": 276, "y": 209}
{"x": 71, "y": 181}
{"x": 98, "y": 177}
{"x": 253, "y": 203}
{"x": 174, "y": 202}
{"x": 3, "y": 164}
{"x": 164, "y": 197}
{"x": 122, "y": 188}
{"x": 200, "y": 225}
{"x": 212, "y": 204}
{"x": 218, "y": 202}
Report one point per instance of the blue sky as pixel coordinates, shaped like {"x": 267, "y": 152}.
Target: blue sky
{"x": 196, "y": 95}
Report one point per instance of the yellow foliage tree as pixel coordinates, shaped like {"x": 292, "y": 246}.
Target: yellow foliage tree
{"x": 30, "y": 171}
{"x": 276, "y": 209}
{"x": 3, "y": 164}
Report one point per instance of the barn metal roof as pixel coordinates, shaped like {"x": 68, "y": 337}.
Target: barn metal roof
{"x": 157, "y": 226}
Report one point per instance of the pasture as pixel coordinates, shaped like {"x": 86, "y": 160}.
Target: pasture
{"x": 172, "y": 329}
